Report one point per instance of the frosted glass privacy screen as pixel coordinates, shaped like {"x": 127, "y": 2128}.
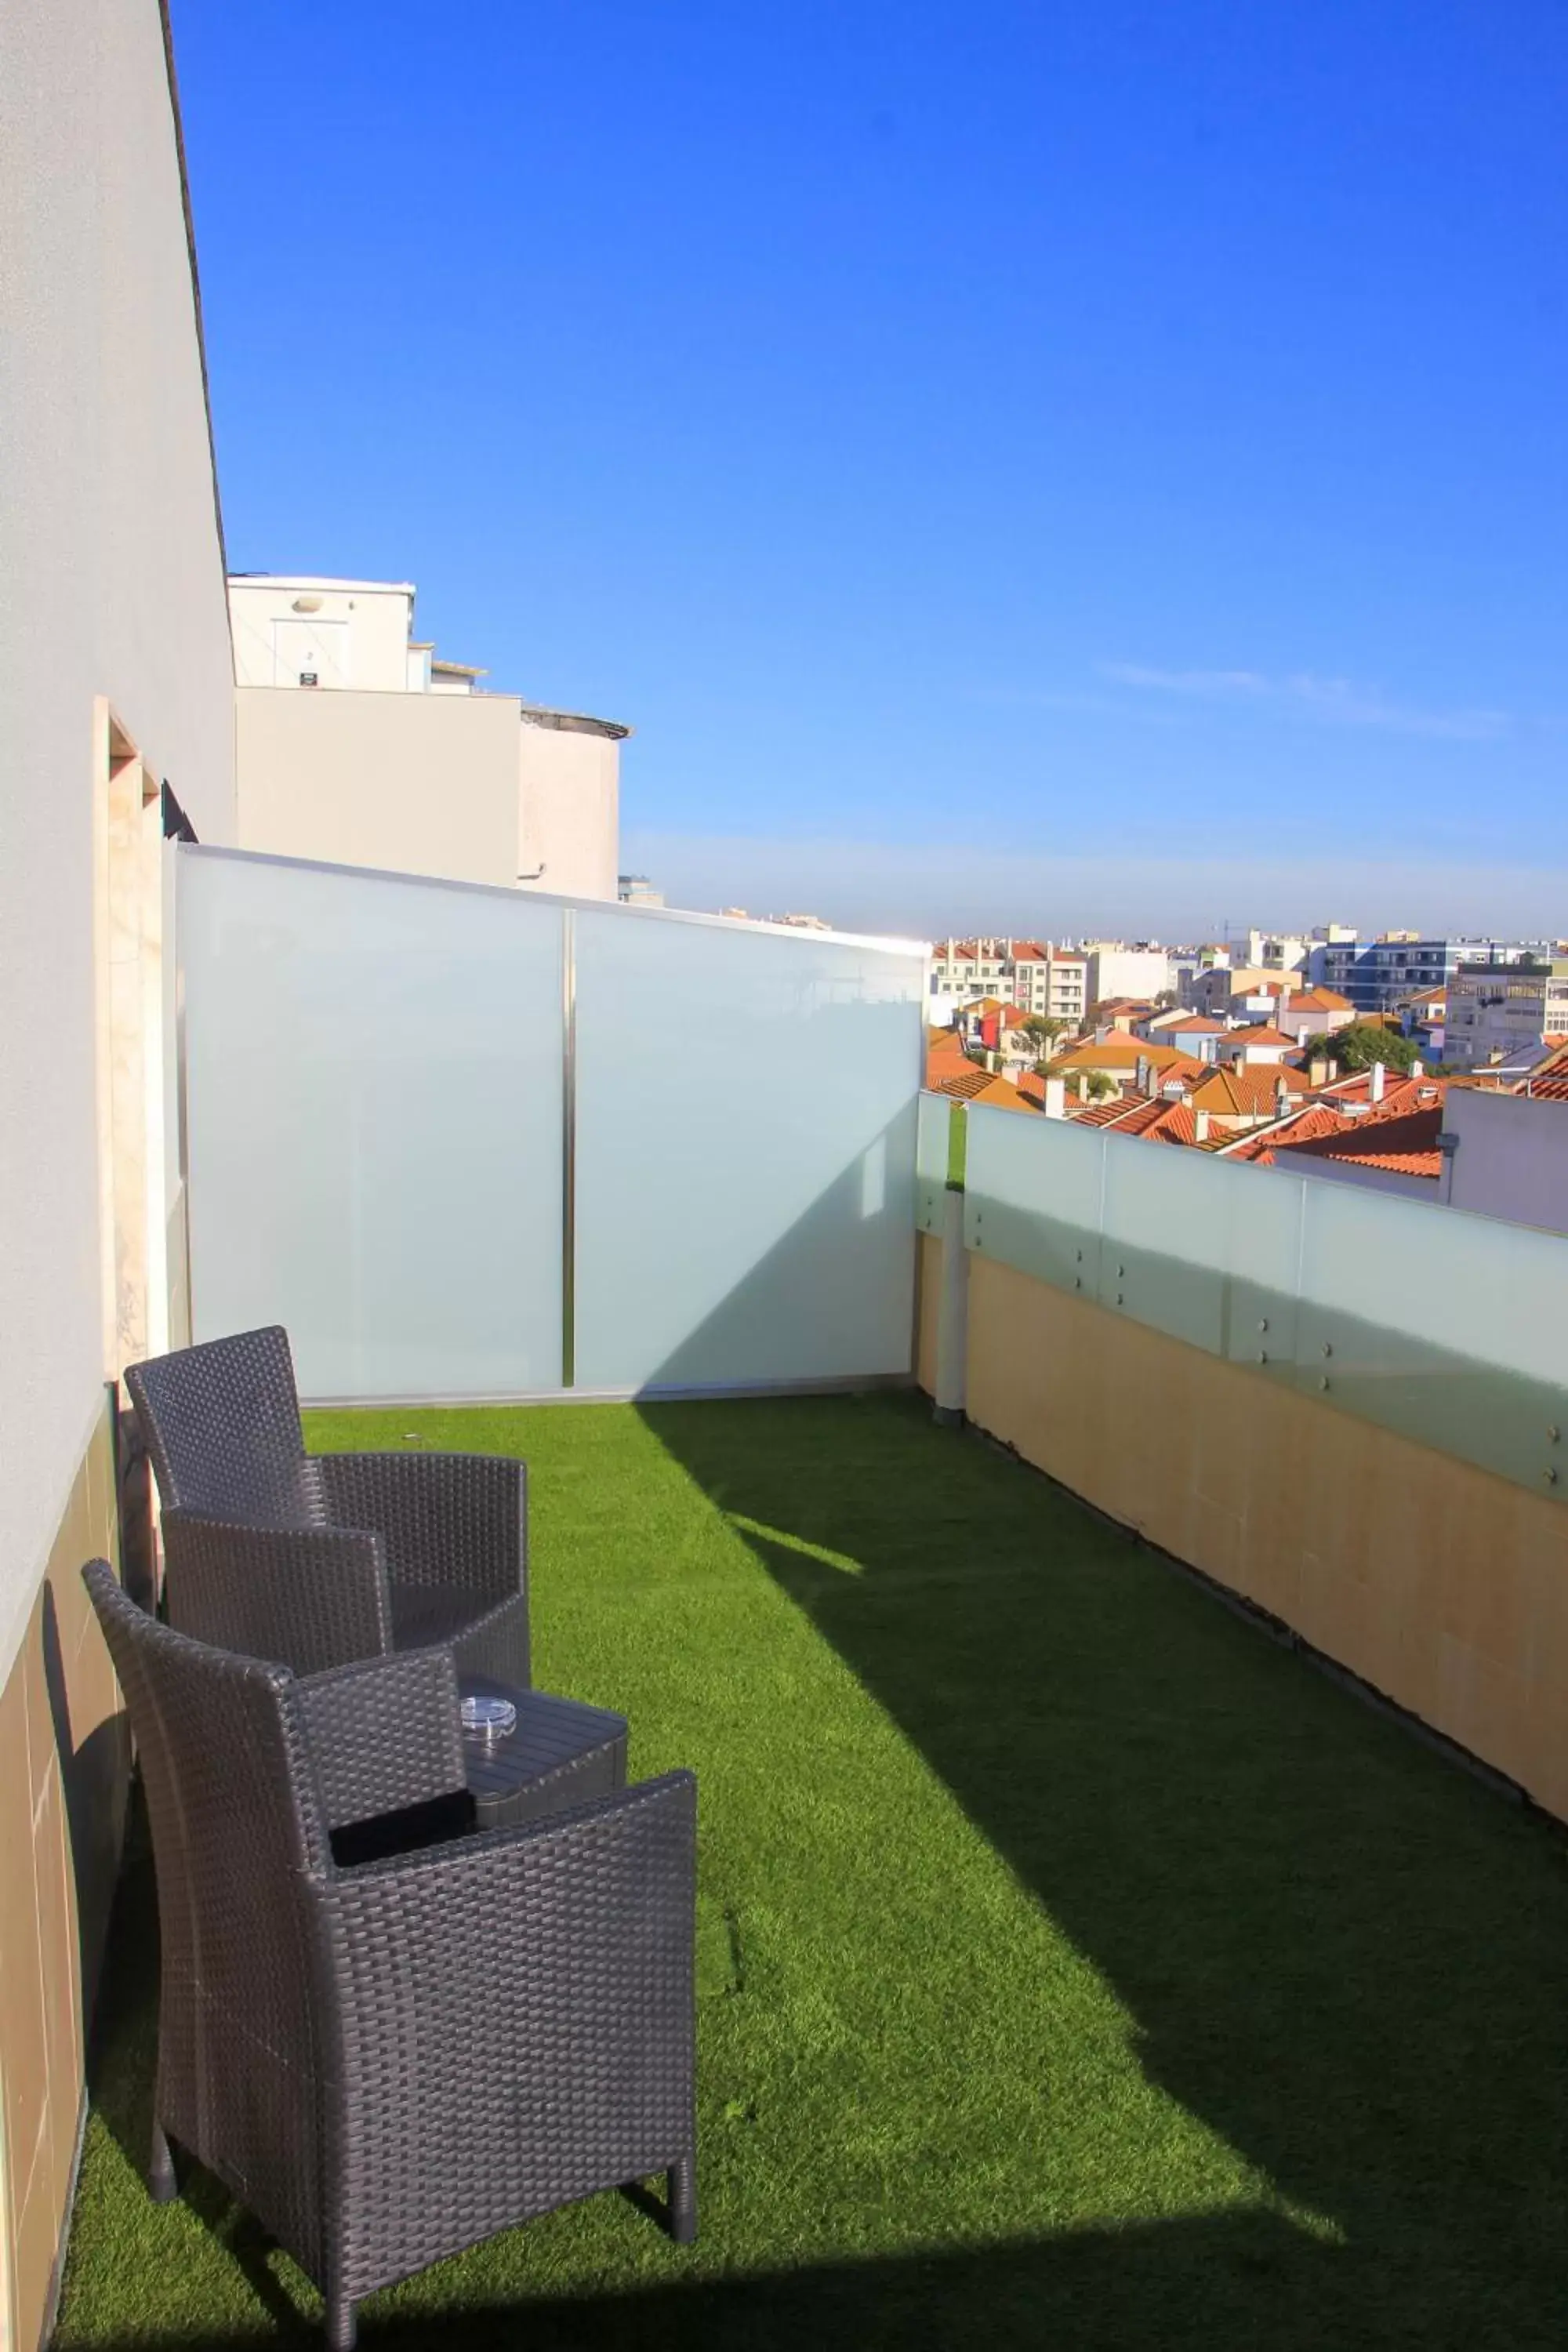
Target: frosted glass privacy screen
{"x": 373, "y": 1091}
{"x": 746, "y": 1151}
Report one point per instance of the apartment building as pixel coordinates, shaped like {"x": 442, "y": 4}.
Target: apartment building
{"x": 1495, "y": 1010}
{"x": 1034, "y": 974}
{"x": 1116, "y": 969}
{"x": 1377, "y": 975}
{"x": 1280, "y": 951}
{"x": 1304, "y": 1012}
{"x": 357, "y": 744}
{"x": 119, "y": 706}
{"x": 1238, "y": 992}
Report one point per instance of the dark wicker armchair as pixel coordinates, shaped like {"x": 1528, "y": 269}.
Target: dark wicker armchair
{"x": 315, "y": 1559}
{"x": 387, "y": 2063}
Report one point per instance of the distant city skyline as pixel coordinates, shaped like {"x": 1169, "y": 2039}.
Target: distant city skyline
{"x": 927, "y": 890}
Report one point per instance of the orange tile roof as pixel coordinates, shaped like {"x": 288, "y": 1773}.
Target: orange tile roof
{"x": 1405, "y": 1144}
{"x": 1142, "y": 1115}
{"x": 1399, "y": 1091}
{"x": 1177, "y": 1123}
{"x": 1322, "y": 1000}
{"x": 1263, "y": 1032}
{"x": 1243, "y": 1092}
{"x": 1314, "y": 1120}
{"x": 1109, "y": 1113}
{"x": 1116, "y": 1053}
{"x": 946, "y": 1060}
{"x": 978, "y": 1086}
{"x": 1181, "y": 1070}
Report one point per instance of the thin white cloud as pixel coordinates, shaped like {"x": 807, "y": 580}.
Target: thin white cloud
{"x": 1332, "y": 701}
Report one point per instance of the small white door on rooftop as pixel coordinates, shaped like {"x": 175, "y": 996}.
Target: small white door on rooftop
{"x": 309, "y": 653}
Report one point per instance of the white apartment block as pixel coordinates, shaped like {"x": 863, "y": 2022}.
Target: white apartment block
{"x": 1498, "y": 1010}
{"x": 1115, "y": 970}
{"x": 1279, "y": 951}
{"x": 1038, "y": 977}
{"x": 357, "y": 744}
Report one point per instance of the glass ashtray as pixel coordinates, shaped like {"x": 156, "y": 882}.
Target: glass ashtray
{"x": 489, "y": 1718}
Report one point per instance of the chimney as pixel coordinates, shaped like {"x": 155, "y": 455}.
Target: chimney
{"x": 1374, "y": 1087}
{"x": 1056, "y": 1098}
{"x": 1281, "y": 1096}
{"x": 1200, "y": 1127}
{"x": 1418, "y": 1070}
{"x": 1318, "y": 1071}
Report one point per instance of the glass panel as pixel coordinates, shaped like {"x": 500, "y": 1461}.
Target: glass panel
{"x": 374, "y": 1096}
{"x": 1165, "y": 1228}
{"x": 755, "y": 1223}
{"x": 932, "y": 1149}
{"x": 1450, "y": 1327}
{"x": 1032, "y": 1195}
{"x": 1263, "y": 1248}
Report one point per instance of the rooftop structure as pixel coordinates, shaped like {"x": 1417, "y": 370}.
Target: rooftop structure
{"x": 357, "y": 744}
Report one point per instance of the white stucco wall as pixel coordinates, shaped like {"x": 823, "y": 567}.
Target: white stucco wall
{"x": 419, "y": 784}
{"x": 111, "y": 585}
{"x": 358, "y": 628}
{"x": 1127, "y": 971}
{"x": 1510, "y": 1158}
{"x": 569, "y": 787}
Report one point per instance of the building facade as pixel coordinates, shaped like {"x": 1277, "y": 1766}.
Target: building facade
{"x": 1117, "y": 970}
{"x": 1498, "y": 1010}
{"x": 358, "y": 745}
{"x": 1377, "y": 975}
{"x": 119, "y": 682}
{"x": 1036, "y": 975}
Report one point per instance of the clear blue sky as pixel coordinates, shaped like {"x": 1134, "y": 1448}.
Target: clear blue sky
{"x": 1055, "y": 467}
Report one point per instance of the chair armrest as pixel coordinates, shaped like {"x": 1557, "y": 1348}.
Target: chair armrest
{"x": 384, "y": 1734}
{"x": 444, "y": 1518}
{"x": 307, "y": 1598}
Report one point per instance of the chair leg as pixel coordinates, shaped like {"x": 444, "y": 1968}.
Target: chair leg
{"x": 682, "y": 2180}
{"x": 162, "y": 2186}
{"x": 342, "y": 2323}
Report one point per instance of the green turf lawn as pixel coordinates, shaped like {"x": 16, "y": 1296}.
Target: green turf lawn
{"x": 1079, "y": 1968}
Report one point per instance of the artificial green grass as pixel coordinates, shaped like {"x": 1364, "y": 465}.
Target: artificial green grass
{"x": 1080, "y": 1969}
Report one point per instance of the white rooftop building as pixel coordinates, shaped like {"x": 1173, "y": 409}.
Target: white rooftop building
{"x": 359, "y": 744}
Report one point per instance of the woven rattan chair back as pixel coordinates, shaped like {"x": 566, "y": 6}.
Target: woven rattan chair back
{"x": 236, "y": 1830}
{"x": 221, "y": 1422}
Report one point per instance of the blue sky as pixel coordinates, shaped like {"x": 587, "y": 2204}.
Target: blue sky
{"x": 1041, "y": 466}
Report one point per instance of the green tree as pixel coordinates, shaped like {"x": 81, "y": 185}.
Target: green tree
{"x": 1097, "y": 1085}
{"x": 1043, "y": 1029}
{"x": 1359, "y": 1045}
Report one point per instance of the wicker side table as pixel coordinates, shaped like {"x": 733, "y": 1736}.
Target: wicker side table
{"x": 561, "y": 1753}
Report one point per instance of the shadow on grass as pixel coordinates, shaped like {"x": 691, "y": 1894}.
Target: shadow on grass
{"x": 1207, "y": 2278}
{"x": 1094, "y": 2291}
{"x": 1341, "y": 1953}
{"x": 1345, "y": 1957}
